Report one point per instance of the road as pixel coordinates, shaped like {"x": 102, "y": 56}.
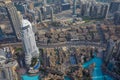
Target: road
{"x": 71, "y": 44}
{"x": 68, "y": 44}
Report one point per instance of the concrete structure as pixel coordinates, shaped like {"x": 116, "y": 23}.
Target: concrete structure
{"x": 85, "y": 8}
{"x": 1, "y": 34}
{"x": 29, "y": 43}
{"x": 40, "y": 16}
{"x": 46, "y": 11}
{"x": 65, "y": 6}
{"x": 94, "y": 10}
{"x": 112, "y": 59}
{"x": 25, "y": 8}
{"x": 74, "y": 7}
{"x": 118, "y": 49}
{"x": 7, "y": 70}
{"x": 105, "y": 1}
{"x": 14, "y": 18}
{"x": 114, "y": 6}
{"x": 21, "y": 7}
{"x": 117, "y": 18}
{"x": 44, "y": 2}
{"x": 52, "y": 15}
{"x": 2, "y": 56}
{"x": 110, "y": 48}
{"x": 31, "y": 5}
{"x": 98, "y": 10}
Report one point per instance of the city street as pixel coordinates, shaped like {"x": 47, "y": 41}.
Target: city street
{"x": 69, "y": 44}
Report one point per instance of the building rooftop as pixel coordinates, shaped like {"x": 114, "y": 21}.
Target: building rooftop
{"x": 2, "y": 56}
{"x": 25, "y": 23}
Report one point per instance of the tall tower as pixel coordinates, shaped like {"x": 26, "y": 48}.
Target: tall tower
{"x": 25, "y": 8}
{"x": 1, "y": 34}
{"x": 110, "y": 48}
{"x": 44, "y": 2}
{"x": 40, "y": 16}
{"x": 51, "y": 14}
{"x": 13, "y": 17}
{"x": 31, "y": 5}
{"x": 29, "y": 42}
{"x": 74, "y": 7}
{"x": 118, "y": 49}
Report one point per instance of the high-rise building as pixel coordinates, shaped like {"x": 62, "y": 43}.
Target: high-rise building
{"x": 99, "y": 10}
{"x": 31, "y": 5}
{"x": 46, "y": 11}
{"x": 110, "y": 48}
{"x": 1, "y": 34}
{"x": 114, "y": 6}
{"x": 44, "y": 2}
{"x": 117, "y": 18}
{"x": 29, "y": 42}
{"x": 7, "y": 70}
{"x": 84, "y": 9}
{"x": 94, "y": 10}
{"x": 118, "y": 49}
{"x": 108, "y": 1}
{"x": 52, "y": 14}
{"x": 40, "y": 16}
{"x": 74, "y": 7}
{"x": 65, "y": 6}
{"x": 112, "y": 58}
{"x": 21, "y": 7}
{"x": 105, "y": 10}
{"x": 86, "y": 6}
{"x": 25, "y": 8}
{"x": 14, "y": 18}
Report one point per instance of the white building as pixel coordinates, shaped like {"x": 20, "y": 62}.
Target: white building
{"x": 29, "y": 42}
{"x": 2, "y": 57}
{"x": 7, "y": 70}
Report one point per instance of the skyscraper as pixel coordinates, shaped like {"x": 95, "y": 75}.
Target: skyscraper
{"x": 118, "y": 49}
{"x": 117, "y": 18}
{"x": 94, "y": 10}
{"x": 44, "y": 2}
{"x": 31, "y": 5}
{"x": 29, "y": 42}
{"x": 110, "y": 48}
{"x": 13, "y": 17}
{"x": 114, "y": 6}
{"x": 52, "y": 14}
{"x": 1, "y": 34}
{"x": 74, "y": 7}
{"x": 40, "y": 16}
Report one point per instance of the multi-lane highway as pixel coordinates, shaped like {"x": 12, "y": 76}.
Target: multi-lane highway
{"x": 71, "y": 44}
{"x": 61, "y": 44}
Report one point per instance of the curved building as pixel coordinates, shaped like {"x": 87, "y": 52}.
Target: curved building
{"x": 29, "y": 42}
